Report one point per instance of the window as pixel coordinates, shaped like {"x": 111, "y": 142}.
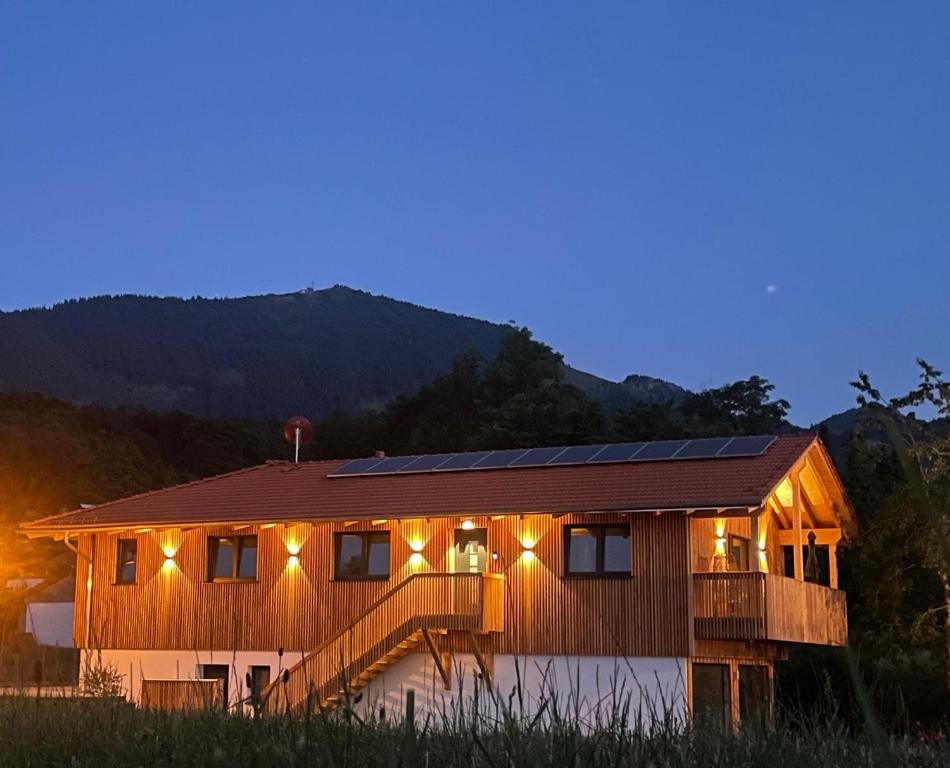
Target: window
{"x": 258, "y": 678}
{"x": 126, "y": 554}
{"x": 232, "y": 558}
{"x": 362, "y": 555}
{"x": 739, "y": 552}
{"x": 597, "y": 550}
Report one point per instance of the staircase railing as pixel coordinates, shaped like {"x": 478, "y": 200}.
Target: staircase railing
{"x": 452, "y": 601}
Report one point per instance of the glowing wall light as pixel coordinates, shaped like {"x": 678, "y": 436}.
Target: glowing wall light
{"x": 416, "y": 559}
{"x": 168, "y": 564}
{"x": 527, "y": 549}
{"x": 293, "y": 562}
{"x": 467, "y": 525}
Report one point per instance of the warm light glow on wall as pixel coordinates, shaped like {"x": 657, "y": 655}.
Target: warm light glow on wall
{"x": 720, "y": 526}
{"x": 527, "y": 543}
{"x": 293, "y": 562}
{"x": 785, "y": 494}
{"x": 169, "y": 551}
{"x": 416, "y": 559}
{"x": 416, "y": 545}
{"x": 528, "y": 556}
{"x": 293, "y": 548}
{"x": 169, "y": 564}
{"x": 467, "y": 525}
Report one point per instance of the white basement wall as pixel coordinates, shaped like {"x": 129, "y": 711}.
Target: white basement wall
{"x": 637, "y": 691}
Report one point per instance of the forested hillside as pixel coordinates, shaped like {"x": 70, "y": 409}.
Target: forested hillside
{"x": 260, "y": 357}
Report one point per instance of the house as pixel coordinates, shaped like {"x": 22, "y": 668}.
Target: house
{"x": 664, "y": 577}
{"x": 48, "y": 613}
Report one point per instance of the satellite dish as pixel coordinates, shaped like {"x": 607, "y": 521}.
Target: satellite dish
{"x": 298, "y": 431}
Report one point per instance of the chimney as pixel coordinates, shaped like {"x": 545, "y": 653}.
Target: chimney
{"x": 380, "y": 455}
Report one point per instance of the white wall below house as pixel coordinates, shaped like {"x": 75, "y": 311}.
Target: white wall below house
{"x": 50, "y": 623}
{"x": 637, "y": 690}
{"x": 136, "y": 665}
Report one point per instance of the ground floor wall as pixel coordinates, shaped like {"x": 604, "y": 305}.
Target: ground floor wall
{"x": 638, "y": 691}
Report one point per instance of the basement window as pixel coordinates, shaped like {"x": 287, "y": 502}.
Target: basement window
{"x": 362, "y": 555}
{"x": 232, "y": 558}
{"x": 597, "y": 550}
{"x": 126, "y": 557}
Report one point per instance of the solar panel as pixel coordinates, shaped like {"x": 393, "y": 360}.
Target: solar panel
{"x": 393, "y": 464}
{"x": 663, "y": 450}
{"x": 747, "y": 446}
{"x": 617, "y": 452}
{"x": 499, "y": 459}
{"x": 355, "y": 467}
{"x": 660, "y": 451}
{"x": 537, "y": 457}
{"x": 704, "y": 448}
{"x": 426, "y": 463}
{"x": 577, "y": 454}
{"x": 463, "y": 460}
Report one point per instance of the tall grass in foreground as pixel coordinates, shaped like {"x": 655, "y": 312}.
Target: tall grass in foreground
{"x": 102, "y": 733}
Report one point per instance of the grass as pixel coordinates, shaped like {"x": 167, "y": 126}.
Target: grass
{"x": 104, "y": 733}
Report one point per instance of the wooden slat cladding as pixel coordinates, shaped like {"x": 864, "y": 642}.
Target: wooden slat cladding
{"x": 762, "y": 606}
{"x": 300, "y": 607}
{"x": 182, "y": 694}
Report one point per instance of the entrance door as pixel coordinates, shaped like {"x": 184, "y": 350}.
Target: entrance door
{"x": 471, "y": 550}
{"x": 217, "y": 672}
{"x": 712, "y": 699}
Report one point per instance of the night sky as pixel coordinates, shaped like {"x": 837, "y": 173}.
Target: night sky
{"x": 698, "y": 192}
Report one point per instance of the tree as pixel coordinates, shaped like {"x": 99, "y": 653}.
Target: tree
{"x": 525, "y": 401}
{"x": 923, "y": 451}
{"x": 741, "y": 408}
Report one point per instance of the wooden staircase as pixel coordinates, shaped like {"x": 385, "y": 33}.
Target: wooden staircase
{"x": 392, "y": 627}
{"x": 377, "y": 668}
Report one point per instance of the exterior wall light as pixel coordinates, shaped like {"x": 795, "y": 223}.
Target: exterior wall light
{"x": 293, "y": 561}
{"x": 169, "y": 564}
{"x": 416, "y": 559}
{"x": 467, "y": 525}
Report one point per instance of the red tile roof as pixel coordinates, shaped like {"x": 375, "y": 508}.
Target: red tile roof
{"x": 281, "y": 491}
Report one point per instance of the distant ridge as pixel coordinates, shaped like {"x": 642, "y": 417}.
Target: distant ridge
{"x": 313, "y": 352}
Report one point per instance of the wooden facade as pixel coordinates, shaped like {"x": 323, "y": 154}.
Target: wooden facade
{"x": 298, "y": 605}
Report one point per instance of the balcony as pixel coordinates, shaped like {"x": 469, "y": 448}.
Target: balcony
{"x": 762, "y": 606}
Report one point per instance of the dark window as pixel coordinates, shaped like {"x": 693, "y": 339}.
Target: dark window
{"x": 362, "y": 555}
{"x": 126, "y": 556}
{"x": 739, "y": 552}
{"x": 217, "y": 672}
{"x": 597, "y": 550}
{"x": 712, "y": 700}
{"x": 232, "y": 558}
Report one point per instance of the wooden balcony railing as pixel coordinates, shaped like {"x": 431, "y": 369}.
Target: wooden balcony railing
{"x": 437, "y": 601}
{"x": 763, "y": 606}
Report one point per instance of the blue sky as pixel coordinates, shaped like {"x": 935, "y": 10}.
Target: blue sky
{"x": 627, "y": 180}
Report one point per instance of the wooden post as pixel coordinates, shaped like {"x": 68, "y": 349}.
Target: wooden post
{"x": 833, "y": 566}
{"x": 797, "y": 524}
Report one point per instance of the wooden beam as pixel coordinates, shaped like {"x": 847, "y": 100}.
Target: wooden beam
{"x": 833, "y": 566}
{"x": 446, "y": 672}
{"x": 479, "y": 659}
{"x": 797, "y": 525}
{"x": 808, "y": 511}
{"x": 826, "y": 536}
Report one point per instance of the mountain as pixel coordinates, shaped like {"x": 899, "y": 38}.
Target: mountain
{"x": 257, "y": 357}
